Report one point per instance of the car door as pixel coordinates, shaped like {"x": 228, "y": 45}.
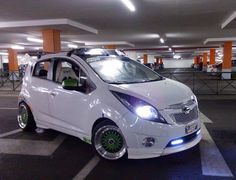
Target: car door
{"x": 39, "y": 89}
{"x": 69, "y": 108}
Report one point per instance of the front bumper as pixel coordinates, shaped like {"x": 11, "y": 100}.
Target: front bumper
{"x": 135, "y": 130}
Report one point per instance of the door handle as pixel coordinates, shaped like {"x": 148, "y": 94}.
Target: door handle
{"x": 53, "y": 94}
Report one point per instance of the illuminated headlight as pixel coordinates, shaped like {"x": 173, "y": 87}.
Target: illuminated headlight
{"x": 139, "y": 107}
{"x": 146, "y": 112}
{"x": 177, "y": 142}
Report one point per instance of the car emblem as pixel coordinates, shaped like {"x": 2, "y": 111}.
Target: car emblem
{"x": 186, "y": 110}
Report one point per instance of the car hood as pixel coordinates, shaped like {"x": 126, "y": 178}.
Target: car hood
{"x": 160, "y": 94}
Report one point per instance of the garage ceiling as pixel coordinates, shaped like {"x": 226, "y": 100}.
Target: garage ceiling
{"x": 182, "y": 23}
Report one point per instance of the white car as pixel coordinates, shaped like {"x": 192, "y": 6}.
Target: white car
{"x": 118, "y": 105}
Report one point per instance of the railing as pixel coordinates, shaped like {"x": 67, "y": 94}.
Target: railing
{"x": 203, "y": 83}
{"x": 11, "y": 80}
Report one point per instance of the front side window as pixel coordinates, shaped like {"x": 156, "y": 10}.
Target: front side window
{"x": 121, "y": 70}
{"x": 41, "y": 69}
{"x": 70, "y": 76}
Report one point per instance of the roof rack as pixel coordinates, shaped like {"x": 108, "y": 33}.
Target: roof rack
{"x": 85, "y": 52}
{"x": 39, "y": 54}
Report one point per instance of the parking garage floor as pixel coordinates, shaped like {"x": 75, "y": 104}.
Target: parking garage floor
{"x": 52, "y": 155}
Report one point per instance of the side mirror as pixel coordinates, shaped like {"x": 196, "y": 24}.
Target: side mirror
{"x": 70, "y": 84}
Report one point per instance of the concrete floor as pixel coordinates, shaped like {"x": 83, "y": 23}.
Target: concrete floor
{"x": 71, "y": 155}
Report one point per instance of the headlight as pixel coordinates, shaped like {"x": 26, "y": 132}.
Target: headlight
{"x": 146, "y": 112}
{"x": 139, "y": 107}
{"x": 194, "y": 98}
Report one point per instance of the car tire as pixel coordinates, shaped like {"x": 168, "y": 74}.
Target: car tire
{"x": 25, "y": 118}
{"x": 108, "y": 141}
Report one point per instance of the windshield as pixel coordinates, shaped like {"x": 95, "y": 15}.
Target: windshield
{"x": 121, "y": 70}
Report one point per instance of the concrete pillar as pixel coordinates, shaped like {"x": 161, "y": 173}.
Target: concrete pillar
{"x": 12, "y": 58}
{"x": 145, "y": 59}
{"x": 51, "y": 40}
{"x": 161, "y": 61}
{"x": 227, "y": 60}
{"x": 204, "y": 62}
{"x": 212, "y": 56}
{"x": 195, "y": 61}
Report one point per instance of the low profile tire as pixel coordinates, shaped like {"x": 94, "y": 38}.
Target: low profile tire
{"x": 108, "y": 141}
{"x": 26, "y": 118}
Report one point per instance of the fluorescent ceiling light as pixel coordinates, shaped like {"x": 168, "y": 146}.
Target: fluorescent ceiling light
{"x": 17, "y": 47}
{"x": 20, "y": 56}
{"x": 72, "y": 46}
{"x": 162, "y": 40}
{"x": 35, "y": 40}
{"x": 129, "y": 5}
{"x": 177, "y": 56}
{"x": 37, "y": 48}
{"x": 4, "y": 53}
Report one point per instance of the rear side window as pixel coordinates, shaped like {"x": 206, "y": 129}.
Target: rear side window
{"x": 41, "y": 69}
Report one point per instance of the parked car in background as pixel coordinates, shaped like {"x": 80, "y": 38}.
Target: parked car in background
{"x": 150, "y": 65}
{"x": 234, "y": 65}
{"x": 214, "y": 68}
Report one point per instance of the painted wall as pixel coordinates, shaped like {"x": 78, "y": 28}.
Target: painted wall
{"x": 0, "y": 62}
{"x": 4, "y": 59}
{"x": 173, "y": 63}
{"x": 132, "y": 54}
{"x": 168, "y": 63}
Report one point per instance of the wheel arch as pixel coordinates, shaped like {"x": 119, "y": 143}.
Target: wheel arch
{"x": 98, "y": 121}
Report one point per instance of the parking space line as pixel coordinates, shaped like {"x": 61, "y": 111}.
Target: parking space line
{"x": 8, "y": 95}
{"x": 7, "y": 108}
{"x": 10, "y": 133}
{"x": 213, "y": 163}
{"x": 204, "y": 118}
{"x": 87, "y": 169}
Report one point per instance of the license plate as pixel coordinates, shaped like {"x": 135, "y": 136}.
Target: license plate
{"x": 190, "y": 128}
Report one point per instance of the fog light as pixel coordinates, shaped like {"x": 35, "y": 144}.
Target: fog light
{"x": 199, "y": 131}
{"x": 148, "y": 142}
{"x": 177, "y": 142}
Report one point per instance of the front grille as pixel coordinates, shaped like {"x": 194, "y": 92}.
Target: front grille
{"x": 182, "y": 105}
{"x": 183, "y": 118}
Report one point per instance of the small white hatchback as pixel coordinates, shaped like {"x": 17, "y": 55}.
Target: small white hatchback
{"x": 118, "y": 105}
